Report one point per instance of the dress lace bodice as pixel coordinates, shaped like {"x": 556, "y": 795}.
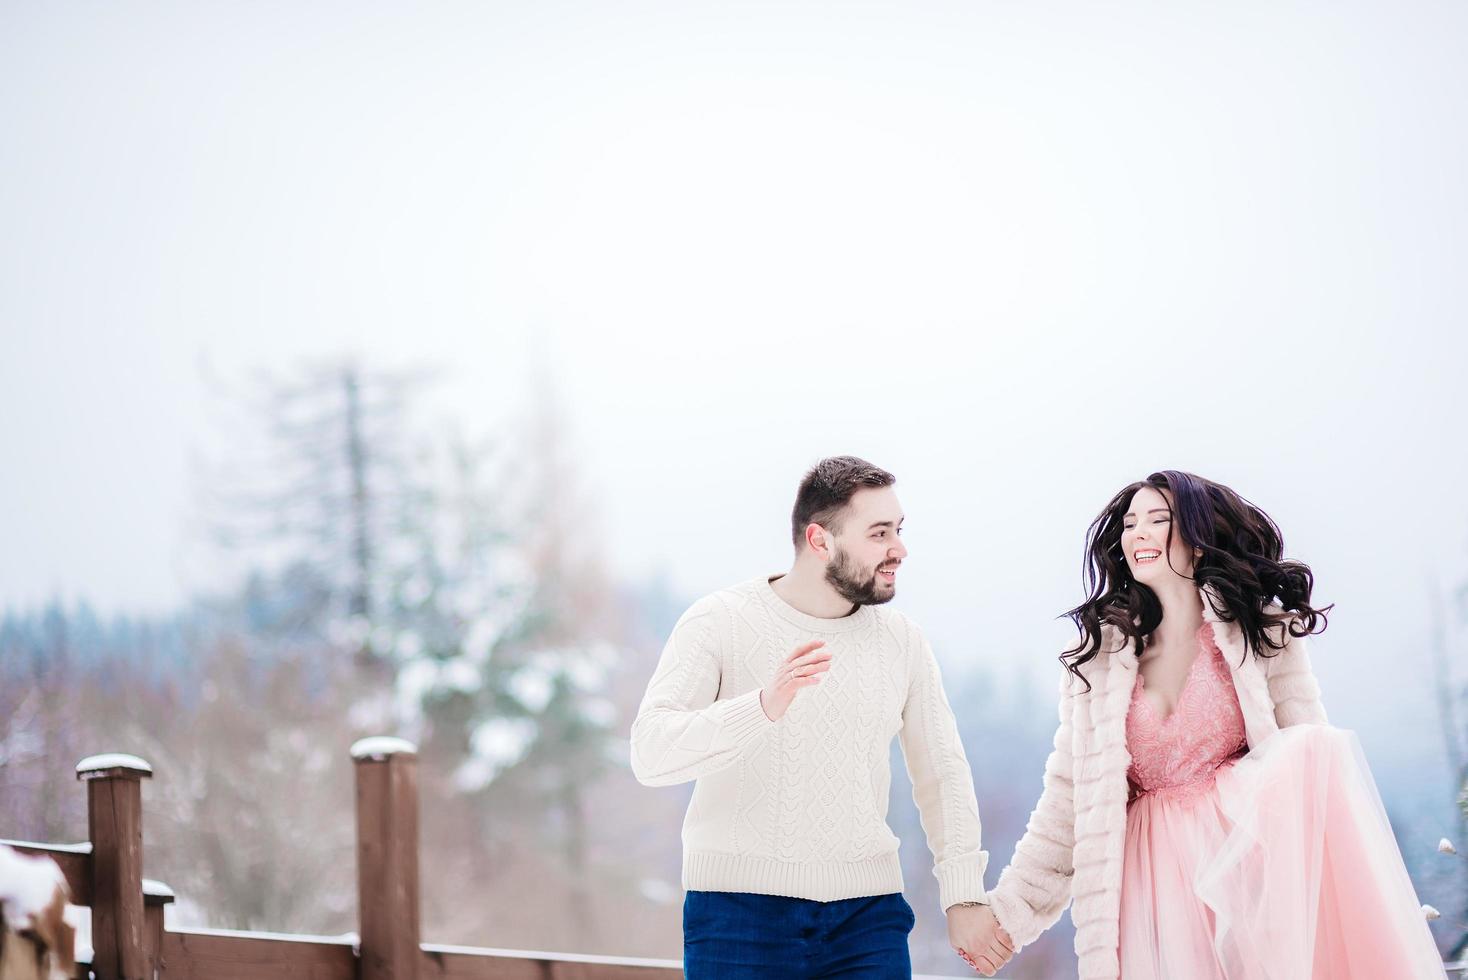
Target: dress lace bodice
{"x": 1183, "y": 751}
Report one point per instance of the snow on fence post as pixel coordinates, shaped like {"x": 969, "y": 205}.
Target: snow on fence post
{"x": 387, "y": 858}
{"x": 115, "y": 824}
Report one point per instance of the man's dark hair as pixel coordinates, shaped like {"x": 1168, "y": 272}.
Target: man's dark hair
{"x": 828, "y": 488}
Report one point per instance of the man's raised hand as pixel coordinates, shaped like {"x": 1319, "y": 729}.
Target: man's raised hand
{"x": 804, "y": 667}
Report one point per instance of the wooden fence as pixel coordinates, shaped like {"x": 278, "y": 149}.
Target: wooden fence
{"x": 129, "y": 941}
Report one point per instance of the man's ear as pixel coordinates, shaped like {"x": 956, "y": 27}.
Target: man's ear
{"x": 817, "y": 541}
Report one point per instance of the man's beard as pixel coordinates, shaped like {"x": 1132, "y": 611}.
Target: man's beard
{"x": 852, "y": 584}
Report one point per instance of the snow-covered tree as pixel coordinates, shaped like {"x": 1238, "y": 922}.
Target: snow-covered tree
{"x": 457, "y": 568}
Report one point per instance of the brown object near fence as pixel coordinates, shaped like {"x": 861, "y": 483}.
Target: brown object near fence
{"x": 129, "y": 941}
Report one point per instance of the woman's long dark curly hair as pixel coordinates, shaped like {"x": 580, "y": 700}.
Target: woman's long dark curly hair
{"x": 1241, "y": 558}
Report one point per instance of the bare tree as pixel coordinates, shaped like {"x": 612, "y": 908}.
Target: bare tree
{"x": 315, "y": 476}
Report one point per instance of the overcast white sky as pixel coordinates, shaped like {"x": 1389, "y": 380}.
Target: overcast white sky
{"x": 1019, "y": 253}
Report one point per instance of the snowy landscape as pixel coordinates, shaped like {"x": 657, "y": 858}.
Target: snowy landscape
{"x": 371, "y": 370}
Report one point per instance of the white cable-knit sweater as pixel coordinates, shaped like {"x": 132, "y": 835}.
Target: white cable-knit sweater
{"x": 798, "y": 807}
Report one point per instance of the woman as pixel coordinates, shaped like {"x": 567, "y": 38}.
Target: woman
{"x": 1204, "y": 818}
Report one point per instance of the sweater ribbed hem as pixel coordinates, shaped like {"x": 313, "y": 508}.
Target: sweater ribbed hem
{"x": 819, "y": 881}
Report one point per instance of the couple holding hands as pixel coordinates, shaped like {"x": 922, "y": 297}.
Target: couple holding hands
{"x": 1198, "y": 813}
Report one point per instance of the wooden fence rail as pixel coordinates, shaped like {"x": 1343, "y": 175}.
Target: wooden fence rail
{"x": 129, "y": 941}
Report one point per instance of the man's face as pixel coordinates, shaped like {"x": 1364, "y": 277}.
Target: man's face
{"x": 864, "y": 556}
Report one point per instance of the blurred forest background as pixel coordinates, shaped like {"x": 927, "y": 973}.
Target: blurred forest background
{"x": 439, "y": 584}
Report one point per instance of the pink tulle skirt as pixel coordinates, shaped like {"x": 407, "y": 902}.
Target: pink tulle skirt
{"x": 1281, "y": 867}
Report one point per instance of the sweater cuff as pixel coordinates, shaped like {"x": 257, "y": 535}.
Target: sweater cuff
{"x": 745, "y": 718}
{"x": 962, "y": 881}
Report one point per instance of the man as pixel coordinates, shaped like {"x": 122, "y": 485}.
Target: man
{"x": 781, "y": 697}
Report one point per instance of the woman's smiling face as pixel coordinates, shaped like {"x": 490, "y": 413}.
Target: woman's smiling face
{"x": 1146, "y": 528}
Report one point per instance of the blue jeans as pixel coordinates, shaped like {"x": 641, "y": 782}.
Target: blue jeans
{"x": 738, "y": 935}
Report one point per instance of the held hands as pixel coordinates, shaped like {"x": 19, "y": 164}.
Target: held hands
{"x": 977, "y": 936}
{"x": 804, "y": 667}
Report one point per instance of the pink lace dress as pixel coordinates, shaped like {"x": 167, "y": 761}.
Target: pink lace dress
{"x": 1275, "y": 863}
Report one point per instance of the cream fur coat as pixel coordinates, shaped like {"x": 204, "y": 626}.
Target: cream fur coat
{"x": 1072, "y": 847}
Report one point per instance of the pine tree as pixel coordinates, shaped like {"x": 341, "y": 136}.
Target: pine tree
{"x": 454, "y": 571}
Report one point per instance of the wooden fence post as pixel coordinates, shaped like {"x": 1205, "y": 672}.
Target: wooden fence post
{"x": 155, "y": 896}
{"x": 387, "y": 858}
{"x": 115, "y": 822}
